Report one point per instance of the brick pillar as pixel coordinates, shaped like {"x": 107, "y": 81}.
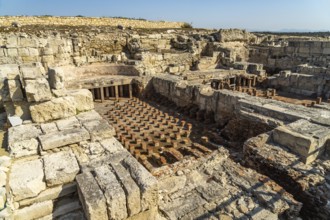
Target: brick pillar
{"x": 130, "y": 91}
{"x": 102, "y": 94}
{"x": 116, "y": 92}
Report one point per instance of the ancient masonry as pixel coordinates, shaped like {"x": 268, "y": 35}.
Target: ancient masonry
{"x": 107, "y": 121}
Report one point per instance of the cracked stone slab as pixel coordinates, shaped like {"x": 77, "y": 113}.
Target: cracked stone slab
{"x": 132, "y": 191}
{"x": 34, "y": 211}
{"x": 63, "y": 138}
{"x": 113, "y": 192}
{"x": 24, "y": 148}
{"x": 48, "y": 128}
{"x": 91, "y": 197}
{"x": 147, "y": 183}
{"x": 60, "y": 168}
{"x": 26, "y": 179}
{"x": 99, "y": 129}
{"x": 68, "y": 123}
{"x": 88, "y": 116}
{"x": 21, "y": 133}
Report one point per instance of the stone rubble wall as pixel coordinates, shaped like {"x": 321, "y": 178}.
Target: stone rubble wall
{"x": 317, "y": 85}
{"x": 87, "y": 21}
{"x": 297, "y": 52}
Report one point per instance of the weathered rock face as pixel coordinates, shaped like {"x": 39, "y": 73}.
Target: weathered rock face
{"x": 83, "y": 100}
{"x": 24, "y": 183}
{"x": 37, "y": 90}
{"x": 55, "y": 109}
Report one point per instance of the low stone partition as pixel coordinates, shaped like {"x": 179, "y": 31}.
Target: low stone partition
{"x": 309, "y": 184}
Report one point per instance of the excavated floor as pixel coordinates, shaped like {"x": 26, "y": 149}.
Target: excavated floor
{"x": 155, "y": 134}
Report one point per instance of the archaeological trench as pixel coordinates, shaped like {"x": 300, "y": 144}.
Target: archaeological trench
{"x": 149, "y": 120}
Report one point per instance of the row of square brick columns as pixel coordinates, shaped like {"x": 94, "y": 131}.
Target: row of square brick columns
{"x": 153, "y": 137}
{"x": 114, "y": 92}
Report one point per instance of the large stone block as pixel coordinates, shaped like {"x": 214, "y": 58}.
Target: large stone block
{"x": 26, "y": 179}
{"x": 51, "y": 194}
{"x": 112, "y": 145}
{"x": 99, "y": 129}
{"x": 114, "y": 193}
{"x": 24, "y": 148}
{"x": 146, "y": 182}
{"x": 63, "y": 138}
{"x": 9, "y": 71}
{"x": 34, "y": 211}
{"x": 68, "y": 123}
{"x": 56, "y": 78}
{"x": 303, "y": 137}
{"x": 89, "y": 116}
{"x": 83, "y": 99}
{"x": 91, "y": 197}
{"x": 55, "y": 109}
{"x": 32, "y": 71}
{"x": 15, "y": 90}
{"x": 21, "y": 133}
{"x": 132, "y": 191}
{"x": 60, "y": 168}
{"x": 37, "y": 90}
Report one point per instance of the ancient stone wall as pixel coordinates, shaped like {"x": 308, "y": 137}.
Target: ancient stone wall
{"x": 295, "y": 53}
{"x": 86, "y": 21}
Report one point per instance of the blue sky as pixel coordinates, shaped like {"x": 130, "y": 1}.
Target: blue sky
{"x": 247, "y": 14}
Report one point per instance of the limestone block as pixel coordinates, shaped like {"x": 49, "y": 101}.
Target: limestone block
{"x": 37, "y": 90}
{"x": 12, "y": 52}
{"x": 114, "y": 194}
{"x": 15, "y": 90}
{"x": 3, "y": 197}
{"x": 57, "y": 108}
{"x": 9, "y": 71}
{"x": 56, "y": 78}
{"x": 48, "y": 128}
{"x": 24, "y": 148}
{"x": 34, "y": 211}
{"x": 51, "y": 194}
{"x": 26, "y": 179}
{"x": 99, "y": 129}
{"x": 63, "y": 138}
{"x": 24, "y": 52}
{"x": 147, "y": 183}
{"x": 132, "y": 191}
{"x": 21, "y": 133}
{"x": 68, "y": 123}
{"x": 33, "y": 52}
{"x": 60, "y": 168}
{"x": 83, "y": 99}
{"x": 28, "y": 42}
{"x": 12, "y": 41}
{"x": 33, "y": 72}
{"x": 88, "y": 116}
{"x": 91, "y": 197}
{"x": 112, "y": 145}
{"x": 302, "y": 137}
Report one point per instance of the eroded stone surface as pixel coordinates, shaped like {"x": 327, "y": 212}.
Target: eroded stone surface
{"x": 60, "y": 168}
{"x": 26, "y": 179}
{"x": 63, "y": 138}
{"x": 92, "y": 197}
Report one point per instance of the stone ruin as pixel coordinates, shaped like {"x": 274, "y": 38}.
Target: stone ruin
{"x": 108, "y": 123}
